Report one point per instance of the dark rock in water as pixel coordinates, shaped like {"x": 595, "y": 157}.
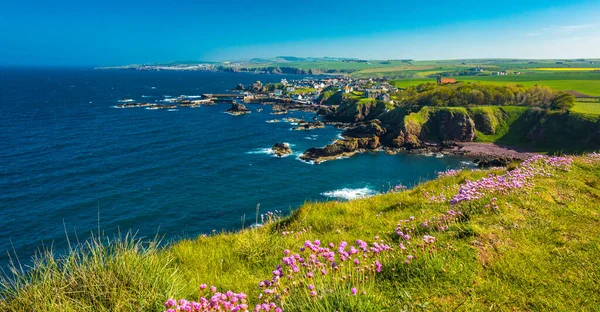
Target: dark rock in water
{"x": 240, "y": 87}
{"x": 238, "y": 109}
{"x": 310, "y": 125}
{"x": 493, "y": 162}
{"x": 341, "y": 148}
{"x": 281, "y": 149}
{"x": 278, "y": 110}
{"x": 295, "y": 120}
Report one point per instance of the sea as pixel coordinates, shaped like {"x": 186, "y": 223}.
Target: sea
{"x": 70, "y": 162}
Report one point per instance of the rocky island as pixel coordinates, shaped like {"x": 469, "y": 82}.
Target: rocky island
{"x": 238, "y": 109}
{"x": 281, "y": 149}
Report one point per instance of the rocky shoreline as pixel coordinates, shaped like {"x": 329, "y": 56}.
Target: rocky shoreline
{"x": 367, "y": 137}
{"x": 457, "y": 136}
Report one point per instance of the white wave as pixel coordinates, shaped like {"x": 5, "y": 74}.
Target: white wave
{"x": 310, "y": 162}
{"x": 173, "y": 110}
{"x": 273, "y": 121}
{"x": 192, "y": 96}
{"x": 310, "y": 138}
{"x": 348, "y": 193}
{"x": 264, "y": 151}
{"x": 439, "y": 156}
{"x": 268, "y": 151}
{"x": 126, "y": 101}
{"x": 147, "y": 96}
{"x": 339, "y": 136}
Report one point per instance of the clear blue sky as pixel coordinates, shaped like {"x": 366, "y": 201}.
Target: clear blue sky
{"x": 109, "y": 32}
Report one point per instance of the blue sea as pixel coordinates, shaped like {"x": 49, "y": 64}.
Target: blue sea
{"x": 68, "y": 159}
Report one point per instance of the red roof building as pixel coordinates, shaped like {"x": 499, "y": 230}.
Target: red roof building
{"x": 441, "y": 80}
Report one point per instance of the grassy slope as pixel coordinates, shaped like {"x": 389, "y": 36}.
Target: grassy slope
{"x": 504, "y": 121}
{"x": 538, "y": 251}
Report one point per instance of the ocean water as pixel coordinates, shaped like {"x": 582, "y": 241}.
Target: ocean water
{"x": 67, "y": 156}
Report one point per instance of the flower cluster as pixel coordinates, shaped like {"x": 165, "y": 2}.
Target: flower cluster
{"x": 522, "y": 177}
{"x": 319, "y": 264}
{"x": 493, "y": 204}
{"x": 594, "y": 155}
{"x": 443, "y": 221}
{"x": 298, "y": 233}
{"x": 228, "y": 301}
{"x": 399, "y": 188}
{"x": 435, "y": 199}
{"x": 270, "y": 216}
{"x": 448, "y": 173}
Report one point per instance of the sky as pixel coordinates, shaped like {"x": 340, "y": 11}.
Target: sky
{"x": 110, "y": 32}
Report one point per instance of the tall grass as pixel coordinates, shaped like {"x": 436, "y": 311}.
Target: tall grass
{"x": 120, "y": 274}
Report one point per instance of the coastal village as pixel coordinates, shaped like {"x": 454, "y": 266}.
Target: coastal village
{"x": 307, "y": 91}
{"x": 310, "y": 90}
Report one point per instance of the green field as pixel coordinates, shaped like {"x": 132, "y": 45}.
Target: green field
{"x": 531, "y": 249}
{"x": 583, "y": 82}
{"x": 592, "y": 108}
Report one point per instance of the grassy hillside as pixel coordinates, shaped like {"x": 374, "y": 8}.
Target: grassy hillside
{"x": 507, "y": 124}
{"x": 531, "y": 243}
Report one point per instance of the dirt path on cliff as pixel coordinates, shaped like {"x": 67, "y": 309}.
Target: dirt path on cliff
{"x": 493, "y": 150}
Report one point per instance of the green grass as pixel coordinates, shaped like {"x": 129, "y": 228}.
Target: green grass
{"x": 592, "y": 108}
{"x": 303, "y": 90}
{"x": 502, "y": 124}
{"x": 538, "y": 251}
{"x": 584, "y": 82}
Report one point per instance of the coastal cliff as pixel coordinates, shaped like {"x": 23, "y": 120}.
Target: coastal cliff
{"x": 373, "y": 126}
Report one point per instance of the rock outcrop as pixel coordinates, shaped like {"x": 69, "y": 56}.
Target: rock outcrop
{"x": 309, "y": 125}
{"x": 278, "y": 110}
{"x": 281, "y": 149}
{"x": 238, "y": 109}
{"x": 340, "y": 148}
{"x": 431, "y": 126}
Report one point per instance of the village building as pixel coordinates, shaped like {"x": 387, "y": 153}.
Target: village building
{"x": 384, "y": 97}
{"x": 442, "y": 80}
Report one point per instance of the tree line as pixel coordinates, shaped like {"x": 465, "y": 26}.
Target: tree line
{"x": 476, "y": 94}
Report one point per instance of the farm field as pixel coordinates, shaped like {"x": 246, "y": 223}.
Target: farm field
{"x": 584, "y": 82}
{"x": 592, "y": 108}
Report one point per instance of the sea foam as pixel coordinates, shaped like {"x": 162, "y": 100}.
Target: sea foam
{"x": 348, "y": 193}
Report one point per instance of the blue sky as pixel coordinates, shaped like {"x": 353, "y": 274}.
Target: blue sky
{"x": 36, "y": 32}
